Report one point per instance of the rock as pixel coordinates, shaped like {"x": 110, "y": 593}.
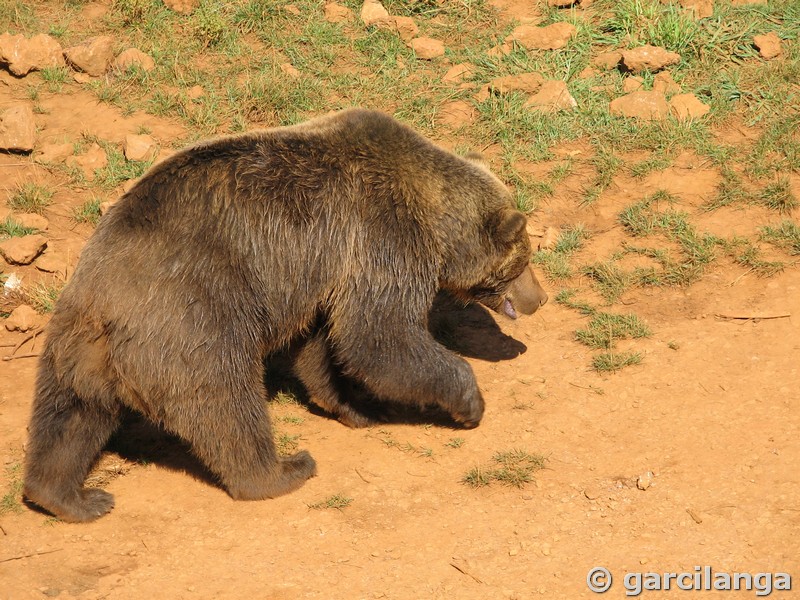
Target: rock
{"x": 94, "y": 158}
{"x": 550, "y": 37}
{"x": 501, "y": 50}
{"x": 525, "y": 82}
{"x": 588, "y": 73}
{"x": 336, "y": 13}
{"x": 561, "y": 3}
{"x": 593, "y": 492}
{"x": 23, "y": 318}
{"x": 457, "y": 114}
{"x": 649, "y": 106}
{"x": 81, "y": 77}
{"x": 17, "y": 129}
{"x": 648, "y": 58}
{"x": 607, "y": 60}
{"x": 427, "y": 48}
{"x": 23, "y": 250}
{"x": 290, "y": 70}
{"x": 184, "y": 7}
{"x": 552, "y": 97}
{"x": 687, "y": 107}
{"x": 644, "y": 481}
{"x": 701, "y": 8}
{"x": 292, "y": 9}
{"x": 50, "y": 262}
{"x": 632, "y": 84}
{"x": 25, "y": 55}
{"x": 373, "y": 14}
{"x": 92, "y": 56}
{"x": 54, "y": 153}
{"x": 458, "y": 73}
{"x": 549, "y": 239}
{"x": 664, "y": 83}
{"x": 31, "y": 221}
{"x": 769, "y": 45}
{"x": 195, "y": 92}
{"x": 133, "y": 57}
{"x": 141, "y": 148}
{"x": 406, "y": 28}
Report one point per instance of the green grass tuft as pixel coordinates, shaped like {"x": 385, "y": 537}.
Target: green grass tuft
{"x": 605, "y": 329}
{"x": 337, "y": 501}
{"x": 614, "y": 361}
{"x": 30, "y": 197}
{"x": 514, "y": 468}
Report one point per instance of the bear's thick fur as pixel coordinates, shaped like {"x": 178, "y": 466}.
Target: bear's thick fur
{"x": 231, "y": 249}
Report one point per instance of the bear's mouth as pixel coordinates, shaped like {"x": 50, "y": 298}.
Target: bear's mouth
{"x": 508, "y": 308}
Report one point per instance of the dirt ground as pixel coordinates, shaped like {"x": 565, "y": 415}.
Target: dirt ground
{"x": 708, "y": 423}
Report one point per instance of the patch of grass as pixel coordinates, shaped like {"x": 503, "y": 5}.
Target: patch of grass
{"x": 30, "y": 197}
{"x": 118, "y": 169}
{"x": 284, "y": 398}
{"x": 606, "y": 165}
{"x": 10, "y": 228}
{"x": 286, "y": 444}
{"x": 614, "y": 361}
{"x": 610, "y": 280}
{"x": 778, "y": 196}
{"x": 456, "y": 442}
{"x": 42, "y": 297}
{"x": 11, "y": 502}
{"x": 605, "y": 329}
{"x": 337, "y": 501}
{"x": 729, "y": 191}
{"x": 88, "y": 212}
{"x": 565, "y": 297}
{"x": 407, "y": 447}
{"x": 555, "y": 262}
{"x": 747, "y": 254}
{"x": 785, "y": 236}
{"x": 55, "y": 77}
{"x": 291, "y": 419}
{"x": 514, "y": 468}
{"x": 657, "y": 162}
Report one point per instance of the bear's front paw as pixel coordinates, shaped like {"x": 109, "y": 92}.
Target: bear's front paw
{"x": 470, "y": 412}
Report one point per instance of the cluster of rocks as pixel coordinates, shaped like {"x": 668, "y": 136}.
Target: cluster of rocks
{"x": 92, "y": 58}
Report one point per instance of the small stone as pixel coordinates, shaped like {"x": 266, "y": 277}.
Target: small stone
{"x": 81, "y": 77}
{"x": 701, "y": 8}
{"x": 94, "y": 158}
{"x": 588, "y": 73}
{"x": 337, "y": 13}
{"x": 552, "y": 97}
{"x": 31, "y": 221}
{"x": 561, "y": 3}
{"x": 607, "y": 60}
{"x": 373, "y": 14}
{"x": 290, "y": 70}
{"x": 292, "y": 10}
{"x": 592, "y": 492}
{"x": 23, "y": 318}
{"x": 458, "y": 73}
{"x": 406, "y": 28}
{"x": 427, "y": 48}
{"x": 643, "y": 482}
{"x": 648, "y": 106}
{"x": 183, "y": 7}
{"x": 769, "y": 45}
{"x": 648, "y": 58}
{"x": 25, "y": 55}
{"x": 17, "y": 128}
{"x": 687, "y": 107}
{"x": 549, "y": 239}
{"x": 530, "y": 83}
{"x": 142, "y": 148}
{"x": 195, "y": 92}
{"x": 54, "y": 153}
{"x": 632, "y": 84}
{"x": 500, "y": 50}
{"x": 92, "y": 56}
{"x": 550, "y": 37}
{"x": 133, "y": 57}
{"x": 50, "y": 262}
{"x": 457, "y": 114}
{"x": 23, "y": 250}
{"x": 664, "y": 83}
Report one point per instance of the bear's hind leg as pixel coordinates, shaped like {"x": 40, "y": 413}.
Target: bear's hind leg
{"x": 313, "y": 367}
{"x": 233, "y": 437}
{"x": 66, "y": 435}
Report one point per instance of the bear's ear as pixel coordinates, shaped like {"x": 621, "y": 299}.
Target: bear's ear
{"x": 510, "y": 224}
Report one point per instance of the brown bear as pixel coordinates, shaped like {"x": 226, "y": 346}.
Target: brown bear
{"x": 231, "y": 249}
